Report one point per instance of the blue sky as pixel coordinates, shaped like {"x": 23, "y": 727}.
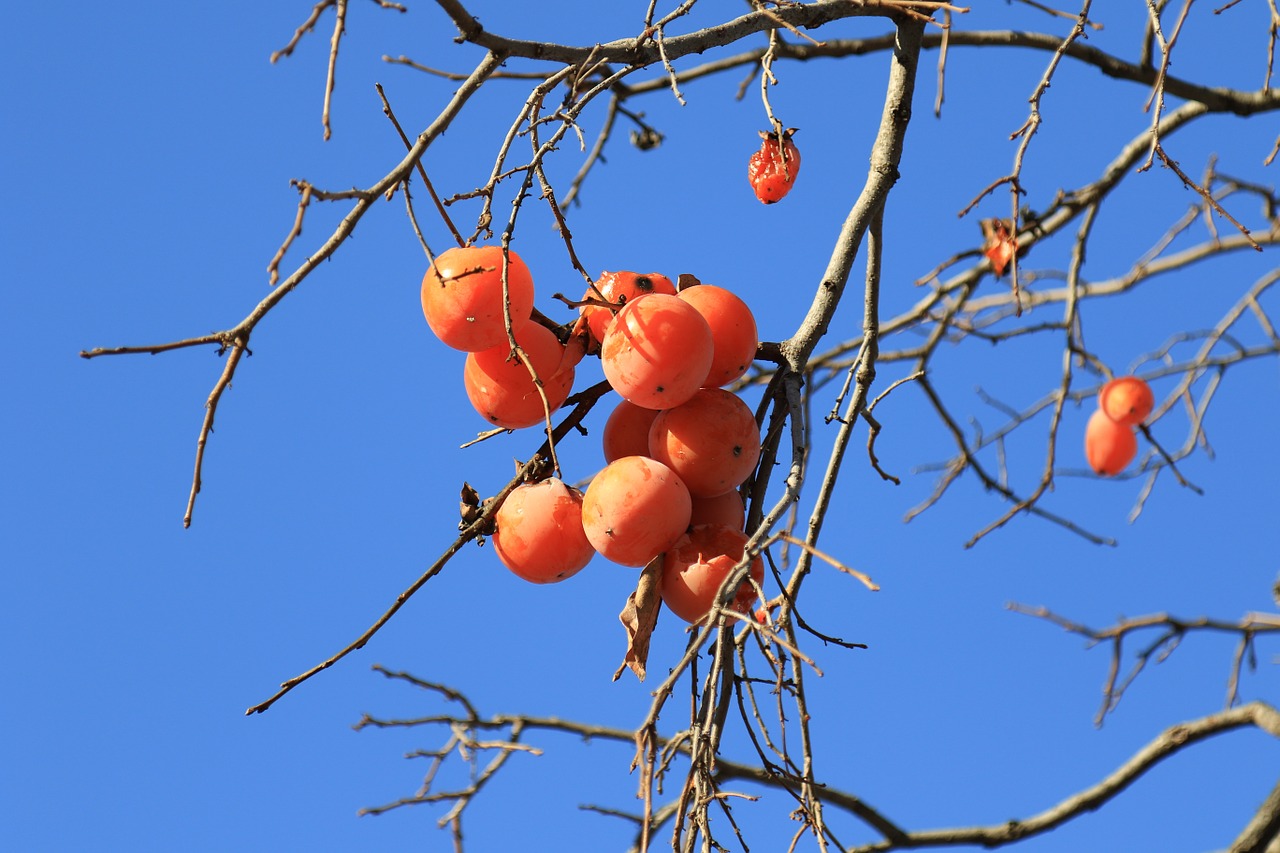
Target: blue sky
{"x": 147, "y": 156}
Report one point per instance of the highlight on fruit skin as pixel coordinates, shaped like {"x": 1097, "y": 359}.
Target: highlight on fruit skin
{"x": 1109, "y": 446}
{"x": 635, "y": 509}
{"x": 1127, "y": 400}
{"x": 538, "y": 532}
{"x": 462, "y": 296}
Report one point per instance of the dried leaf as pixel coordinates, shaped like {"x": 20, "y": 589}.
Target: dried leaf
{"x": 686, "y": 281}
{"x": 999, "y": 244}
{"x": 469, "y": 506}
{"x": 638, "y": 618}
{"x": 577, "y": 346}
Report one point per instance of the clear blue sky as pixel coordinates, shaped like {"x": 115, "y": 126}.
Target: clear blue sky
{"x": 146, "y": 156}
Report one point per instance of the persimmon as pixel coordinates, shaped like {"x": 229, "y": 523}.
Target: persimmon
{"x": 634, "y": 509}
{"x": 726, "y": 509}
{"x": 1127, "y": 400}
{"x": 772, "y": 170}
{"x": 711, "y": 441}
{"x": 698, "y": 563}
{"x": 619, "y": 288}
{"x": 501, "y": 388}
{"x": 733, "y": 331}
{"x": 657, "y": 351}
{"x": 1109, "y": 446}
{"x": 626, "y": 432}
{"x": 538, "y": 532}
{"x": 462, "y": 296}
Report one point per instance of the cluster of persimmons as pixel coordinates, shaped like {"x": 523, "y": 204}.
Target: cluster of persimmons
{"x": 677, "y": 444}
{"x": 1110, "y": 442}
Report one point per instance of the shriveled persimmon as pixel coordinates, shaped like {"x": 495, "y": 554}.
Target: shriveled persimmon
{"x": 634, "y": 509}
{"x": 539, "y": 534}
{"x": 462, "y": 296}
{"x": 733, "y": 331}
{"x": 619, "y": 288}
{"x": 626, "y": 432}
{"x": 501, "y": 388}
{"x": 695, "y": 567}
{"x": 1109, "y": 446}
{"x": 1127, "y": 400}
{"x": 711, "y": 441}
{"x": 772, "y": 170}
{"x": 657, "y": 351}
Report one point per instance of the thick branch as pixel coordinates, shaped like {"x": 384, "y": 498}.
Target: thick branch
{"x": 646, "y": 51}
{"x": 886, "y": 154}
{"x": 1172, "y": 740}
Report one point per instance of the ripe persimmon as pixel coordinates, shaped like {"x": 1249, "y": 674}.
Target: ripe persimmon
{"x": 501, "y": 388}
{"x": 1109, "y": 446}
{"x": 619, "y": 288}
{"x": 711, "y": 441}
{"x": 1127, "y": 400}
{"x": 726, "y": 509}
{"x": 462, "y": 296}
{"x": 634, "y": 509}
{"x": 657, "y": 351}
{"x": 696, "y": 565}
{"x": 733, "y": 331}
{"x": 626, "y": 432}
{"x": 538, "y": 532}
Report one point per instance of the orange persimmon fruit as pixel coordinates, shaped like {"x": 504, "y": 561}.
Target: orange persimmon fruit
{"x": 462, "y": 296}
{"x": 1127, "y": 400}
{"x": 658, "y": 351}
{"x": 1109, "y": 446}
{"x": 635, "y": 509}
{"x": 727, "y": 509}
{"x": 619, "y": 288}
{"x": 626, "y": 432}
{"x": 538, "y": 532}
{"x": 712, "y": 441}
{"x": 500, "y": 387}
{"x": 733, "y": 331}
{"x": 698, "y": 563}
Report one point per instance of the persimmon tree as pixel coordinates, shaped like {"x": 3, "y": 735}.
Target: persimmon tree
{"x": 734, "y": 709}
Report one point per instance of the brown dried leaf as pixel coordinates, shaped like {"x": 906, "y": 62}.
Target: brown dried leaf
{"x": 638, "y": 618}
{"x": 999, "y": 243}
{"x": 469, "y": 506}
{"x": 686, "y": 281}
